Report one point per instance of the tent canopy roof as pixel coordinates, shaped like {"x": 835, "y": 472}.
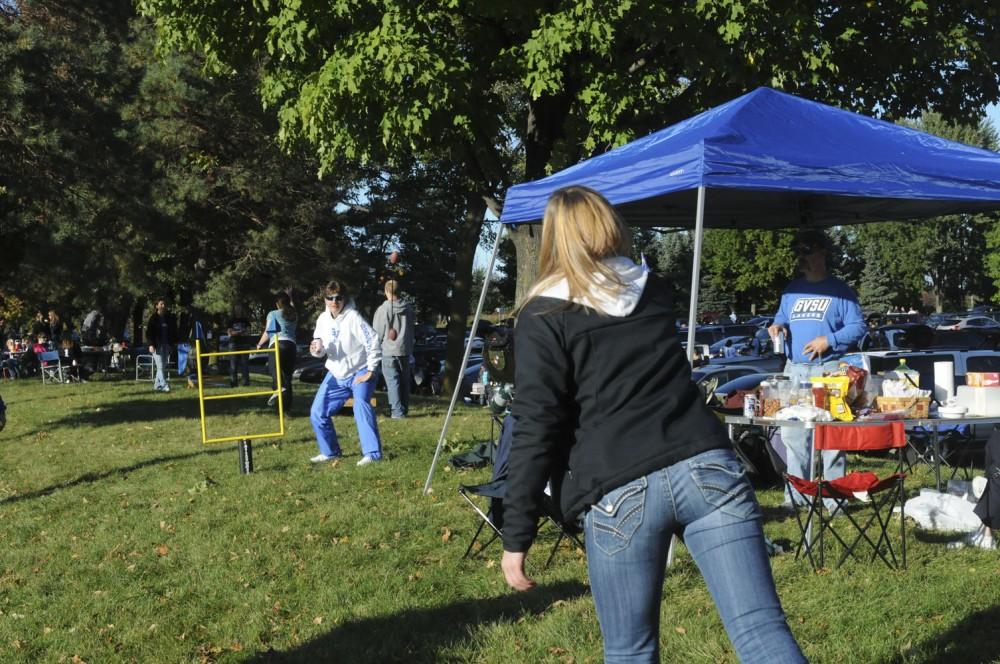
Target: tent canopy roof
{"x": 773, "y": 160}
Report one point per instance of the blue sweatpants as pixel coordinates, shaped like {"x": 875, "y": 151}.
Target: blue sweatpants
{"x": 330, "y": 398}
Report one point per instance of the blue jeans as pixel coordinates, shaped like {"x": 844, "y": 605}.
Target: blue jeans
{"x": 239, "y": 365}
{"x": 333, "y": 393}
{"x": 396, "y": 369}
{"x": 160, "y": 358}
{"x": 708, "y": 499}
{"x": 799, "y": 442}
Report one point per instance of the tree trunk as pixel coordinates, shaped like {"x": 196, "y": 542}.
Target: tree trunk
{"x": 138, "y": 324}
{"x": 461, "y": 286}
{"x": 527, "y": 241}
{"x": 544, "y": 126}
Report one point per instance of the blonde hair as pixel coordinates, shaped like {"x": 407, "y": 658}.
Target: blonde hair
{"x": 392, "y": 288}
{"x": 579, "y": 230}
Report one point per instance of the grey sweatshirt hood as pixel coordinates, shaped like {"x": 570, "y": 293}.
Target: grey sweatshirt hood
{"x": 632, "y": 275}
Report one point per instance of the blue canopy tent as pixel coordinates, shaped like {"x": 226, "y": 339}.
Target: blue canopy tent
{"x": 771, "y": 160}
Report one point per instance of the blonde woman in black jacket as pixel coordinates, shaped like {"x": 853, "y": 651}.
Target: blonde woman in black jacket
{"x": 606, "y": 408}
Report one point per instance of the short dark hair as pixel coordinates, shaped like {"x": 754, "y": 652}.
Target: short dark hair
{"x": 337, "y": 286}
{"x": 811, "y": 238}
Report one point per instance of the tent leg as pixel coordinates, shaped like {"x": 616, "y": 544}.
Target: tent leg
{"x": 465, "y": 357}
{"x": 699, "y": 232}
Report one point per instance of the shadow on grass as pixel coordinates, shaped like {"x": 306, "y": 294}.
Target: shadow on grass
{"x": 88, "y": 478}
{"x": 419, "y": 635}
{"x": 152, "y": 409}
{"x": 975, "y": 640}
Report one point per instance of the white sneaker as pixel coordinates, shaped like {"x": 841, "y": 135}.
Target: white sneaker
{"x": 320, "y": 458}
{"x": 365, "y": 460}
{"x": 166, "y": 388}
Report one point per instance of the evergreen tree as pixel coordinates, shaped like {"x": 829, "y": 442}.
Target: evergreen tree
{"x": 875, "y": 292}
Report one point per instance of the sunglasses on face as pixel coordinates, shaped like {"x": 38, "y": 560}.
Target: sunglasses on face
{"x": 334, "y": 298}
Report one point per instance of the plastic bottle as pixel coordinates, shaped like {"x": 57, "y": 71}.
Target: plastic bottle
{"x": 904, "y": 372}
{"x": 805, "y": 393}
{"x": 819, "y": 395}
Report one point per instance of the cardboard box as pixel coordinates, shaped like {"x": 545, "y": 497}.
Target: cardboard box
{"x": 982, "y": 379}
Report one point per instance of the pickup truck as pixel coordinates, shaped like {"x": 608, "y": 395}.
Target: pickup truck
{"x": 923, "y": 361}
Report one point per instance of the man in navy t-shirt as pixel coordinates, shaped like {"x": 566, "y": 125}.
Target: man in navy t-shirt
{"x": 821, "y": 319}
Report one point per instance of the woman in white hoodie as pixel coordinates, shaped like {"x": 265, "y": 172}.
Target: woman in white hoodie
{"x": 352, "y": 355}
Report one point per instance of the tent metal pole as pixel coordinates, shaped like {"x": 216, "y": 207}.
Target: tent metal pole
{"x": 465, "y": 357}
{"x": 699, "y": 232}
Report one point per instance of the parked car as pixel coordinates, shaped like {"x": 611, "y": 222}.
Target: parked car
{"x": 968, "y": 321}
{"x": 990, "y": 310}
{"x": 471, "y": 376}
{"x": 748, "y": 381}
{"x": 922, "y": 337}
{"x": 761, "y": 321}
{"x": 742, "y": 343}
{"x": 709, "y": 377}
{"x": 768, "y": 362}
{"x": 709, "y": 334}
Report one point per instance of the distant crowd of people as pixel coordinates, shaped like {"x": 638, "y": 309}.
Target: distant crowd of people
{"x": 24, "y": 349}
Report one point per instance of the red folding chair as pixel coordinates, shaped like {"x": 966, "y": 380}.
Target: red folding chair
{"x": 878, "y": 496}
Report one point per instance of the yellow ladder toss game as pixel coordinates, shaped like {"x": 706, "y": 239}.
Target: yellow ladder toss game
{"x": 246, "y": 458}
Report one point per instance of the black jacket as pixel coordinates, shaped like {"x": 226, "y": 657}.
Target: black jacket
{"x": 601, "y": 401}
{"x": 153, "y": 331}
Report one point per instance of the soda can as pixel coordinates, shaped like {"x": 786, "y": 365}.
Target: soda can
{"x": 750, "y": 405}
{"x": 779, "y": 343}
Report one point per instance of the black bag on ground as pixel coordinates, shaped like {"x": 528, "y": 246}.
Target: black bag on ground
{"x": 764, "y": 467}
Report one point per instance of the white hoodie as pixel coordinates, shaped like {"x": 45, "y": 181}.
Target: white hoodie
{"x": 349, "y": 342}
{"x": 632, "y": 275}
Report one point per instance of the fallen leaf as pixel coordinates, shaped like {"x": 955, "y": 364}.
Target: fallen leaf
{"x": 680, "y": 630}
{"x": 555, "y": 650}
{"x": 285, "y": 529}
{"x": 446, "y": 535}
{"x": 318, "y": 620}
{"x": 162, "y": 550}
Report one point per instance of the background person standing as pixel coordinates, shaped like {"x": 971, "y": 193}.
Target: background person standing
{"x": 280, "y": 328}
{"x": 161, "y": 334}
{"x": 821, "y": 319}
{"x": 239, "y": 339}
{"x": 394, "y": 324}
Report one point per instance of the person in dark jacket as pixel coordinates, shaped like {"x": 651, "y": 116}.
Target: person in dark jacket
{"x": 161, "y": 334}
{"x": 607, "y": 409}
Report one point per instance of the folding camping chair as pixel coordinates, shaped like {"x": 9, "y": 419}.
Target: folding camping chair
{"x": 51, "y": 367}
{"x": 496, "y": 489}
{"x": 878, "y": 496}
{"x": 145, "y": 363}
{"x": 957, "y": 449}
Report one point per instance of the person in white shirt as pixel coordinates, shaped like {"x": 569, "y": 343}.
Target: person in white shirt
{"x": 352, "y": 355}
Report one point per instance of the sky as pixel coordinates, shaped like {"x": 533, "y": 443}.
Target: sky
{"x": 993, "y": 113}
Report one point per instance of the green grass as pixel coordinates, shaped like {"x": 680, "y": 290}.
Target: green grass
{"x": 123, "y": 538}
